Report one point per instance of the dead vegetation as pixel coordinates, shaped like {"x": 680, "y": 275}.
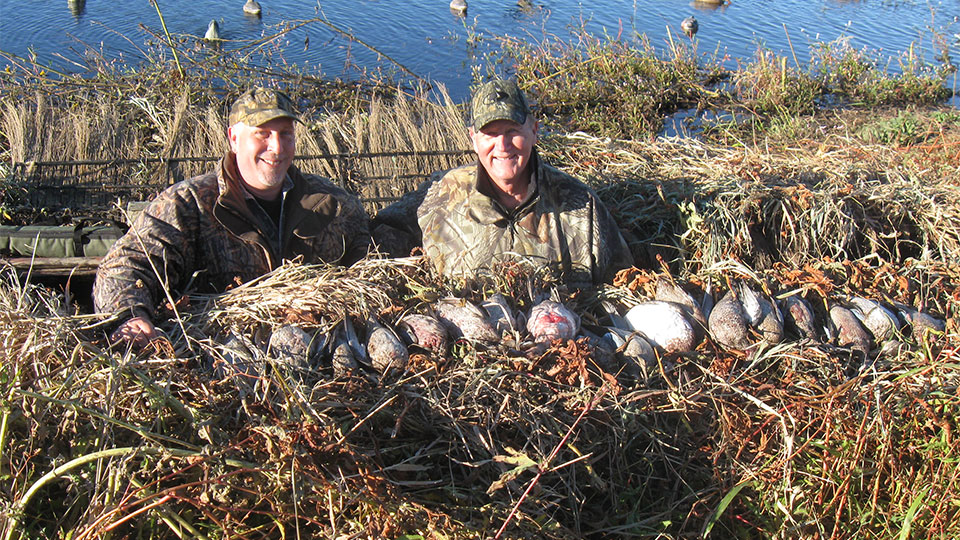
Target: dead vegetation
{"x": 98, "y": 440}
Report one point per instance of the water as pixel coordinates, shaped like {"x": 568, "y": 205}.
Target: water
{"x": 427, "y": 39}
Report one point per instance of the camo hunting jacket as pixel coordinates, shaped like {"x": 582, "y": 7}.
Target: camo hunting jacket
{"x": 206, "y": 234}
{"x": 464, "y": 231}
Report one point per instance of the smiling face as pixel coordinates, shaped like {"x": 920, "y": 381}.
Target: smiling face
{"x": 504, "y": 148}
{"x": 264, "y": 153}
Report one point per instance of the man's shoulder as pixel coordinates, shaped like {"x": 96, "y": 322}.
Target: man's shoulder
{"x": 455, "y": 182}
{"x": 566, "y": 188}
{"x": 204, "y": 187}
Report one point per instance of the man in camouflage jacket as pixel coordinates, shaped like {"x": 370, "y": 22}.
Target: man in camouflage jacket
{"x": 232, "y": 225}
{"x": 508, "y": 204}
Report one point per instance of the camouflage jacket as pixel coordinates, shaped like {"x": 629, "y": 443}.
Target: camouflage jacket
{"x": 463, "y": 231}
{"x": 206, "y": 234}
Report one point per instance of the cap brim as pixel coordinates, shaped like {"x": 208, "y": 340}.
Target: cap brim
{"x": 262, "y": 117}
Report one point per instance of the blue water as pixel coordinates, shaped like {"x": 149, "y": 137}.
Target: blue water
{"x": 427, "y": 39}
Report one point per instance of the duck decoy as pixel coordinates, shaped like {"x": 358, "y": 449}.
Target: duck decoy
{"x": 458, "y": 6}
{"x": 252, "y": 7}
{"x": 690, "y": 26}
{"x": 76, "y": 7}
{"x": 213, "y": 32}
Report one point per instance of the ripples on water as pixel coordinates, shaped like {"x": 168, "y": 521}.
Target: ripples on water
{"x": 427, "y": 38}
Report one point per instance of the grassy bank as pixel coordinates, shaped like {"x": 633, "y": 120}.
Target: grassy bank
{"x": 790, "y": 442}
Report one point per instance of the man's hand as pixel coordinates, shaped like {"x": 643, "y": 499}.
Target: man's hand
{"x": 138, "y": 330}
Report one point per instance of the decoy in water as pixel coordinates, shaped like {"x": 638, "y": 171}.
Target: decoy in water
{"x": 458, "y": 6}
{"x": 213, "y": 32}
{"x": 690, "y": 26}
{"x": 252, "y": 7}
{"x": 76, "y": 7}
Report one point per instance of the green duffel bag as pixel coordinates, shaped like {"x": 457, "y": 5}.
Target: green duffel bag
{"x": 58, "y": 242}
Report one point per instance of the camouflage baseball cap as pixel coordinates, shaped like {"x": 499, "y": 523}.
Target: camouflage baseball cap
{"x": 498, "y": 100}
{"x": 260, "y": 105}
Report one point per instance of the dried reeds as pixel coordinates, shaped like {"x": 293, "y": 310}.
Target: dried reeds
{"x": 783, "y": 443}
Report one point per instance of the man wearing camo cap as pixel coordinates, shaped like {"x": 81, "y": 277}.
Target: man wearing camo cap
{"x": 233, "y": 224}
{"x": 509, "y": 203}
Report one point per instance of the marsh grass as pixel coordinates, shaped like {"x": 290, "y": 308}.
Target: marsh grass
{"x": 606, "y": 86}
{"x": 98, "y": 440}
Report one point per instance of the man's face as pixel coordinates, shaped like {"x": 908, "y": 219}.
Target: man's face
{"x": 504, "y": 148}
{"x": 264, "y": 153}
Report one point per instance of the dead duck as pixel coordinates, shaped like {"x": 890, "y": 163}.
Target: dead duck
{"x": 668, "y": 291}
{"x": 850, "y": 332}
{"x": 664, "y": 325}
{"x": 465, "y": 320}
{"x": 425, "y": 332}
{"x": 920, "y": 323}
{"x": 762, "y": 314}
{"x": 384, "y": 349}
{"x": 798, "y": 316}
{"x": 728, "y": 322}
{"x": 551, "y": 320}
{"x": 880, "y": 321}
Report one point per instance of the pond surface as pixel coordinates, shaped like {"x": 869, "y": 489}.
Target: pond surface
{"x": 428, "y": 39}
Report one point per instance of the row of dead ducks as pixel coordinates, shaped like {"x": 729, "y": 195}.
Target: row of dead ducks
{"x": 743, "y": 319}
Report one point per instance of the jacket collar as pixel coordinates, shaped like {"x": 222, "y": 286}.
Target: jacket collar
{"x": 305, "y": 211}
{"x": 486, "y": 210}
